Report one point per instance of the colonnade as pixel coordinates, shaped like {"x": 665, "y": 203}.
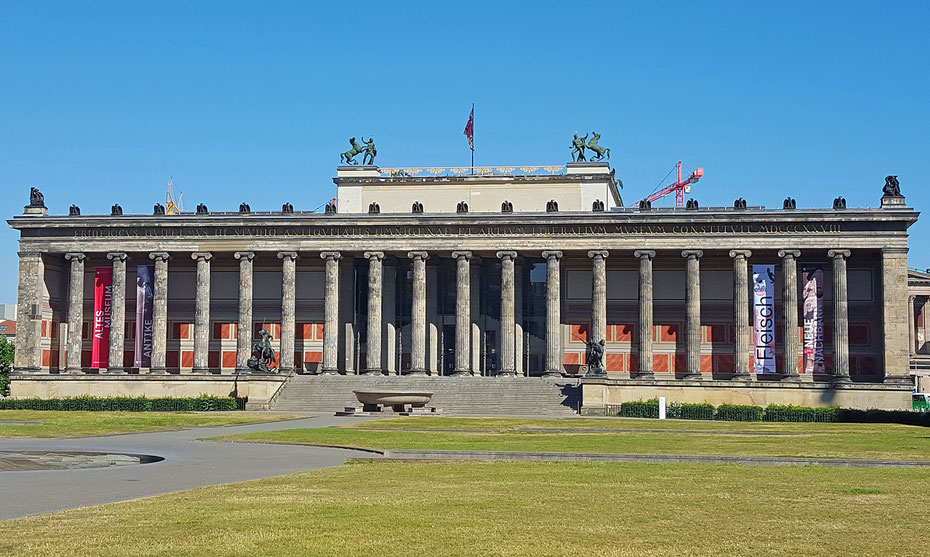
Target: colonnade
{"x": 463, "y": 317}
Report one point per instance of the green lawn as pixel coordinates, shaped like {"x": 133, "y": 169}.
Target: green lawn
{"x": 507, "y": 508}
{"x": 878, "y": 441}
{"x": 76, "y": 424}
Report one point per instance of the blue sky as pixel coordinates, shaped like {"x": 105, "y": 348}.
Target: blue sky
{"x": 103, "y": 102}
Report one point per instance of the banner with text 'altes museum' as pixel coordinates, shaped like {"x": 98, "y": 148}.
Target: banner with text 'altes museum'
{"x": 103, "y": 301}
{"x": 763, "y": 318}
{"x": 812, "y": 297}
{"x": 143, "y": 347}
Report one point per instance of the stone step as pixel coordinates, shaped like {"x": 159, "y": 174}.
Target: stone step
{"x": 473, "y": 396}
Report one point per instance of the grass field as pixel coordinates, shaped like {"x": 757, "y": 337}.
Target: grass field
{"x": 507, "y": 508}
{"x": 77, "y": 424}
{"x": 873, "y": 441}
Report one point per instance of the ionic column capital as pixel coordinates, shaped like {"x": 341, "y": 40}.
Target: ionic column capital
{"x": 205, "y": 255}
{"x": 550, "y": 255}
{"x": 740, "y": 253}
{"x": 117, "y": 256}
{"x": 789, "y": 253}
{"x": 506, "y": 255}
{"x": 288, "y": 255}
{"x": 415, "y": 255}
{"x": 692, "y": 254}
{"x": 838, "y": 254}
{"x": 374, "y": 255}
{"x": 644, "y": 254}
{"x": 247, "y": 255}
{"x": 461, "y": 255}
{"x": 598, "y": 254}
{"x": 73, "y": 256}
{"x": 159, "y": 256}
{"x": 331, "y": 255}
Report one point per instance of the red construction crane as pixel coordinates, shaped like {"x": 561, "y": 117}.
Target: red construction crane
{"x": 680, "y": 188}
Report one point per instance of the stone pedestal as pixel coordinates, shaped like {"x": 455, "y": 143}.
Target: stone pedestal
{"x": 27, "y": 357}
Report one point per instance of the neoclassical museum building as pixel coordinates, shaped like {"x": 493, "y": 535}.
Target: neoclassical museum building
{"x": 496, "y": 272}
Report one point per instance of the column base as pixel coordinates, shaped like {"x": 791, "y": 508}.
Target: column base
{"x": 791, "y": 377}
{"x": 692, "y": 377}
{"x": 243, "y": 371}
{"x": 841, "y": 380}
{"x": 648, "y": 374}
{"x": 26, "y": 370}
{"x": 418, "y": 372}
{"x": 200, "y": 371}
{"x": 462, "y": 373}
{"x": 744, "y": 376}
{"x": 286, "y": 370}
{"x": 375, "y": 371}
{"x": 115, "y": 371}
{"x": 507, "y": 373}
{"x": 71, "y": 371}
{"x": 552, "y": 373}
{"x": 158, "y": 371}
{"x": 332, "y": 371}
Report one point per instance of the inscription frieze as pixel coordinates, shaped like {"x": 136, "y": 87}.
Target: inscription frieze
{"x": 528, "y": 230}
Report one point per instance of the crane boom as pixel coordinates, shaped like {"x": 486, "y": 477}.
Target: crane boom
{"x": 680, "y": 187}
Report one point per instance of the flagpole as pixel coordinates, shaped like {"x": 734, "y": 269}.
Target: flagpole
{"x": 473, "y": 133}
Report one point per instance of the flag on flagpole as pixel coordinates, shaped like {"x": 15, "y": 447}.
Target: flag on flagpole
{"x": 470, "y": 129}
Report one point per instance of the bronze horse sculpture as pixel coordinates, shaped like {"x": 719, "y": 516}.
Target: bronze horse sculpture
{"x": 347, "y": 156}
{"x": 601, "y": 151}
{"x": 262, "y": 359}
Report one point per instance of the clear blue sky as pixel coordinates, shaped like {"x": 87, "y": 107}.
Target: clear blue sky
{"x": 101, "y": 103}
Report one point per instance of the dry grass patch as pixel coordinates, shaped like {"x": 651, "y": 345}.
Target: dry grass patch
{"x": 505, "y": 508}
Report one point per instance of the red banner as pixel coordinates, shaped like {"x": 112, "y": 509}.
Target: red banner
{"x": 103, "y": 300}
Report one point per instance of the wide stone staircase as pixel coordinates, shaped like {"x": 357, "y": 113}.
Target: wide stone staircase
{"x": 457, "y": 396}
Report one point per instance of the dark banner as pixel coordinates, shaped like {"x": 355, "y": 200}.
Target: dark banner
{"x": 144, "y": 283}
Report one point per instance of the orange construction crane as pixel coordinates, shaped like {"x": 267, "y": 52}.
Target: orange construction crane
{"x": 680, "y": 188}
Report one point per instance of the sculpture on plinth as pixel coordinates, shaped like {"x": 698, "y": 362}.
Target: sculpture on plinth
{"x": 370, "y": 151}
{"x": 36, "y": 199}
{"x": 578, "y": 146}
{"x": 593, "y": 146}
{"x": 356, "y": 149}
{"x": 595, "y": 358}
{"x": 891, "y": 189}
{"x": 262, "y": 359}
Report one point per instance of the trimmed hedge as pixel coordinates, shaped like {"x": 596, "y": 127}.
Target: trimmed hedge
{"x": 906, "y": 417}
{"x": 779, "y": 413}
{"x": 739, "y": 413}
{"x": 202, "y": 403}
{"x": 689, "y": 411}
{"x": 640, "y": 409}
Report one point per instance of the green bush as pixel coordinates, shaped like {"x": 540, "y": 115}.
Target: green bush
{"x": 6, "y": 364}
{"x": 739, "y": 413}
{"x": 906, "y": 417}
{"x": 689, "y": 411}
{"x": 640, "y": 409}
{"x": 203, "y": 403}
{"x": 780, "y": 413}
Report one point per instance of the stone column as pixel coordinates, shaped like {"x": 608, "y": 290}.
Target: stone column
{"x": 741, "y": 313}
{"x": 27, "y": 357}
{"x": 244, "y": 329}
{"x": 418, "y": 314}
{"x": 518, "y": 339}
{"x": 202, "y": 313}
{"x": 553, "y": 315}
{"x": 331, "y": 313}
{"x": 693, "y": 317}
{"x": 894, "y": 296}
{"x": 288, "y": 309}
{"x": 159, "y": 312}
{"x": 645, "y": 313}
{"x": 117, "y": 314}
{"x": 840, "y": 316}
{"x": 462, "y": 313}
{"x": 75, "y": 311}
{"x": 508, "y": 326}
{"x": 598, "y": 329}
{"x": 790, "y": 309}
{"x": 373, "y": 356}
{"x": 912, "y": 325}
